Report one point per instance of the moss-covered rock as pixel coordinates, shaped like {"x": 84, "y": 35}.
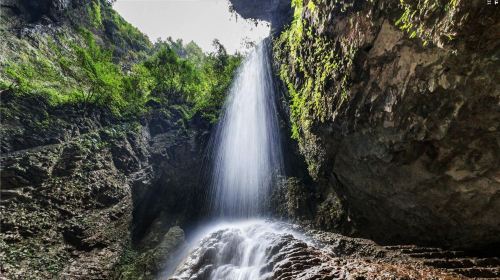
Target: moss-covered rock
{"x": 77, "y": 201}
{"x": 291, "y": 200}
{"x": 148, "y": 264}
{"x": 391, "y": 103}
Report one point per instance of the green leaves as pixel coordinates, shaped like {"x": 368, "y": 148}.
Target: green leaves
{"x": 94, "y": 13}
{"x": 102, "y": 60}
{"x": 199, "y": 79}
{"x": 104, "y": 78}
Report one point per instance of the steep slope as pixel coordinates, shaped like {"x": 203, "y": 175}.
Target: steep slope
{"x": 80, "y": 198}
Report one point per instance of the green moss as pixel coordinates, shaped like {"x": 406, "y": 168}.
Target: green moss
{"x": 94, "y": 13}
{"x": 317, "y": 65}
{"x": 311, "y": 6}
{"x": 36, "y": 73}
{"x": 330, "y": 213}
{"x": 418, "y": 17}
{"x": 143, "y": 263}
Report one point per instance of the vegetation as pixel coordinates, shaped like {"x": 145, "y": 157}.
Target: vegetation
{"x": 318, "y": 66}
{"x": 418, "y": 17}
{"x": 95, "y": 14}
{"x": 179, "y": 75}
{"x": 83, "y": 70}
{"x": 312, "y": 63}
{"x": 83, "y": 73}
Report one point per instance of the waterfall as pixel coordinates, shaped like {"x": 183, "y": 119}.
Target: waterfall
{"x": 247, "y": 158}
{"x": 246, "y": 142}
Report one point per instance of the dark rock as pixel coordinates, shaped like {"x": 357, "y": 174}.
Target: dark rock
{"x": 292, "y": 200}
{"x": 404, "y": 129}
{"x": 276, "y": 12}
{"x": 93, "y": 193}
{"x": 35, "y": 10}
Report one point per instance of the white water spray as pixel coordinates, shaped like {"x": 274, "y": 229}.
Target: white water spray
{"x": 239, "y": 250}
{"x": 247, "y": 143}
{"x": 247, "y": 161}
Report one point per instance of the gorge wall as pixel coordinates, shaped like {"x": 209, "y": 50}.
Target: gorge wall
{"x": 82, "y": 195}
{"x": 395, "y": 108}
{"x": 87, "y": 193}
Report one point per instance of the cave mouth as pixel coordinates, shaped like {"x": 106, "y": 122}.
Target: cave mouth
{"x": 125, "y": 156}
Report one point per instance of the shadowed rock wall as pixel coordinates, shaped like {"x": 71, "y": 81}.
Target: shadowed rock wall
{"x": 88, "y": 196}
{"x": 395, "y": 108}
{"x": 277, "y": 12}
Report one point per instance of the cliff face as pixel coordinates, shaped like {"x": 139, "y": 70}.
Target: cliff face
{"x": 35, "y": 11}
{"x": 395, "y": 108}
{"x": 91, "y": 196}
{"x": 86, "y": 193}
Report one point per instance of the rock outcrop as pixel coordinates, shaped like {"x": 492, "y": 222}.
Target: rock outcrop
{"x": 277, "y": 12}
{"x": 35, "y": 11}
{"x": 88, "y": 191}
{"x": 81, "y": 193}
{"x": 395, "y": 108}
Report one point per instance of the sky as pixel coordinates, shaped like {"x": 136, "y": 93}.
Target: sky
{"x": 200, "y": 21}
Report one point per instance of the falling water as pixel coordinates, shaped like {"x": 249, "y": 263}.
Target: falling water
{"x": 239, "y": 250}
{"x": 247, "y": 145}
{"x": 247, "y": 160}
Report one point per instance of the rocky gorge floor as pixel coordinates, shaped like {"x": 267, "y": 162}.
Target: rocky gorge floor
{"x": 450, "y": 264}
{"x": 290, "y": 252}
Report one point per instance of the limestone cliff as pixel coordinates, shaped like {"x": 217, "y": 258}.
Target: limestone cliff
{"x": 86, "y": 193}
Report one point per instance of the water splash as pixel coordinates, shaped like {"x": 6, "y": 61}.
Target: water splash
{"x": 240, "y": 250}
{"x": 247, "y": 143}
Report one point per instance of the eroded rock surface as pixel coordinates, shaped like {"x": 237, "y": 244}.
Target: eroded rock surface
{"x": 86, "y": 192}
{"x": 87, "y": 196}
{"x": 277, "y": 12}
{"x": 395, "y": 108}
